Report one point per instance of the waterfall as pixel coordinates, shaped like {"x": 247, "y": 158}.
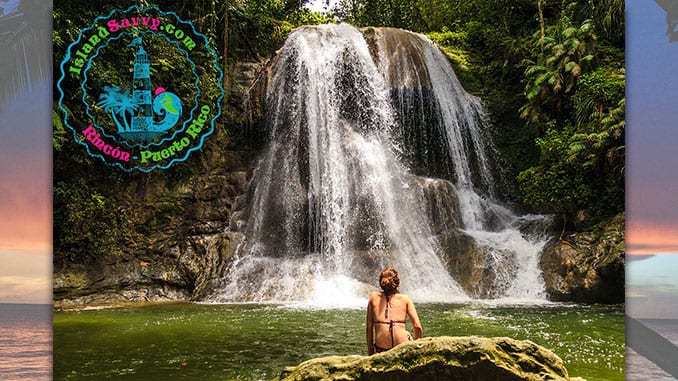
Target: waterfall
{"x": 376, "y": 157}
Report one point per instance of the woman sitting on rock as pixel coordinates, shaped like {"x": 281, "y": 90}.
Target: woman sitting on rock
{"x": 386, "y": 313}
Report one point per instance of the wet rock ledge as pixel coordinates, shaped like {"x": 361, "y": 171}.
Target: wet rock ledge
{"x": 440, "y": 358}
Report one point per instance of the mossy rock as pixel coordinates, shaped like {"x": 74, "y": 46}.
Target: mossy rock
{"x": 439, "y": 358}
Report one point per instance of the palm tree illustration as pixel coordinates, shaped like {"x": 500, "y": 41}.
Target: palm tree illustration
{"x": 128, "y": 106}
{"x": 117, "y": 101}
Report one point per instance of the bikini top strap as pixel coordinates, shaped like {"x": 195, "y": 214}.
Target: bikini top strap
{"x": 390, "y": 325}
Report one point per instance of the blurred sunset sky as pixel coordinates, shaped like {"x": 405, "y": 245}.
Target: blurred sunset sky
{"x": 25, "y": 152}
{"x": 26, "y": 197}
{"x": 651, "y": 165}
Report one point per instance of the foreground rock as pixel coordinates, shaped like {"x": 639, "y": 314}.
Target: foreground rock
{"x": 440, "y": 358}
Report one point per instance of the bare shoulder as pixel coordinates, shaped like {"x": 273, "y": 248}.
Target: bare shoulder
{"x": 405, "y": 298}
{"x": 375, "y": 295}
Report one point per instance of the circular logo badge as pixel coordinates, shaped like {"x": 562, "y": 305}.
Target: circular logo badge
{"x": 140, "y": 89}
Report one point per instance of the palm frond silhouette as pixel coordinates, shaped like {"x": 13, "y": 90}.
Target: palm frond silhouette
{"x": 671, "y": 9}
{"x": 26, "y": 46}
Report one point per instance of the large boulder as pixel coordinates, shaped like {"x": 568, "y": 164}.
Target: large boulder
{"x": 440, "y": 358}
{"x": 587, "y": 267}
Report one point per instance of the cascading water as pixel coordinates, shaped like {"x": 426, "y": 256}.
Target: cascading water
{"x": 357, "y": 123}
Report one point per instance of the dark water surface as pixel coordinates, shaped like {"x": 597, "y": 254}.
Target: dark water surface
{"x": 25, "y": 342}
{"x": 252, "y": 342}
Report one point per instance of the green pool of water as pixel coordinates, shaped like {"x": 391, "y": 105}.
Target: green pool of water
{"x": 182, "y": 341}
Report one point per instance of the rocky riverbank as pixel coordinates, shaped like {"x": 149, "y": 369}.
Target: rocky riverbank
{"x": 587, "y": 267}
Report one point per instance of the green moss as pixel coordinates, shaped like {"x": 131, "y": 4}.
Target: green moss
{"x": 456, "y": 357}
{"x": 465, "y": 64}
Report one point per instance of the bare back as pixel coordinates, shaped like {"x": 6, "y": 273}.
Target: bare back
{"x": 386, "y": 320}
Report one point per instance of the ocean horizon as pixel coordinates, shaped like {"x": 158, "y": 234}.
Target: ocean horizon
{"x": 25, "y": 342}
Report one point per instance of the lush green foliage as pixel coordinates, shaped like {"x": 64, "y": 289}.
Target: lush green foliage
{"x": 574, "y": 92}
{"x": 565, "y": 53}
{"x": 85, "y": 223}
{"x": 551, "y": 73}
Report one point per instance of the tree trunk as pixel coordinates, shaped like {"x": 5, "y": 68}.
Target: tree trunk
{"x": 542, "y": 28}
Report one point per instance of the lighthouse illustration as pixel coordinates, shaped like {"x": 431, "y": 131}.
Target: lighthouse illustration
{"x": 141, "y": 89}
{"x": 141, "y": 116}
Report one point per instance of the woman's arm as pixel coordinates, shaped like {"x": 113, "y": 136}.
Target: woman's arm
{"x": 369, "y": 328}
{"x": 414, "y": 318}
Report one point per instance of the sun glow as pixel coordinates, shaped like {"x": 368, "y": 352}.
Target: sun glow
{"x": 647, "y": 238}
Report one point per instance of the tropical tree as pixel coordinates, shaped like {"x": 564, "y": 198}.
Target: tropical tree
{"x": 565, "y": 52}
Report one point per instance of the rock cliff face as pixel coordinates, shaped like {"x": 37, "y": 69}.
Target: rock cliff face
{"x": 440, "y": 358}
{"x": 182, "y": 255}
{"x": 587, "y": 267}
